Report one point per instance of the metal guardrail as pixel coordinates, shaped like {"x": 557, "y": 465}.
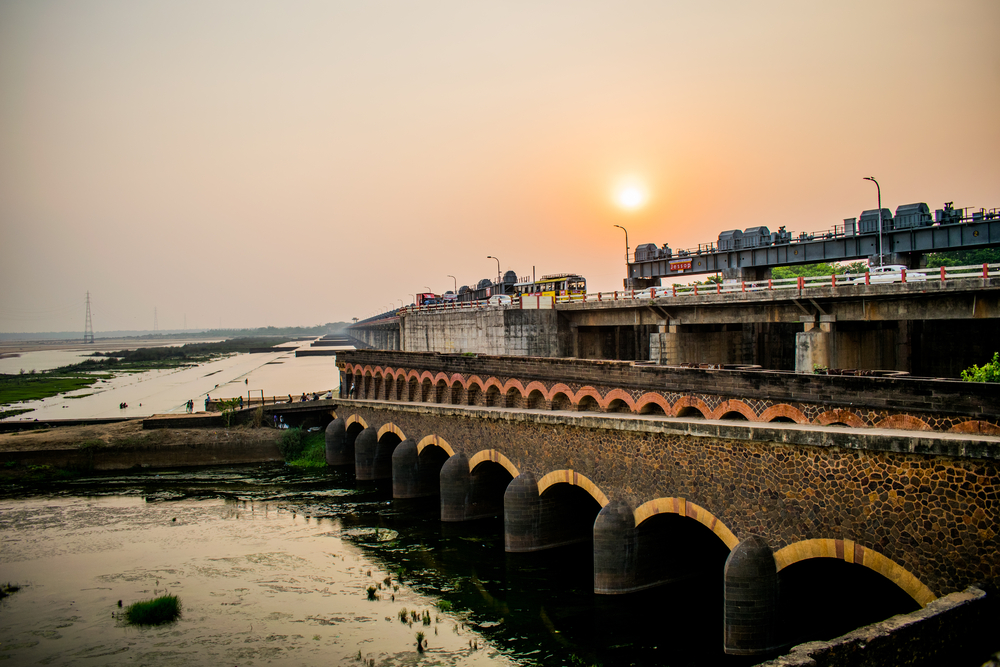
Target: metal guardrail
{"x": 834, "y": 280}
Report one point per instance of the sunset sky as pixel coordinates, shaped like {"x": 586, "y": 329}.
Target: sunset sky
{"x": 245, "y": 164}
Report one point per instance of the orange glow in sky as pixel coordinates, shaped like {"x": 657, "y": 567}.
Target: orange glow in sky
{"x": 631, "y": 196}
{"x": 247, "y": 163}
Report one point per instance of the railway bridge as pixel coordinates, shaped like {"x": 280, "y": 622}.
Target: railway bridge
{"x": 658, "y": 493}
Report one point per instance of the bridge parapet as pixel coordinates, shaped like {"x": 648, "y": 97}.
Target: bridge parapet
{"x": 755, "y": 395}
{"x": 920, "y": 509}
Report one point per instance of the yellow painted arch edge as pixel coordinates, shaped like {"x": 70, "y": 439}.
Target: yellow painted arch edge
{"x": 575, "y": 479}
{"x": 355, "y": 419}
{"x": 494, "y": 456}
{"x": 429, "y": 440}
{"x": 684, "y": 508}
{"x": 855, "y": 553}
{"x": 390, "y": 428}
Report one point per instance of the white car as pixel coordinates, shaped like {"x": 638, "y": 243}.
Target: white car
{"x": 499, "y": 300}
{"x": 890, "y": 273}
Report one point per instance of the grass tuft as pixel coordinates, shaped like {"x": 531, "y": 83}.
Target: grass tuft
{"x": 164, "y": 609}
{"x": 311, "y": 453}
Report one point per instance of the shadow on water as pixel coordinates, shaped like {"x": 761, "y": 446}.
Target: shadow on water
{"x": 537, "y": 608}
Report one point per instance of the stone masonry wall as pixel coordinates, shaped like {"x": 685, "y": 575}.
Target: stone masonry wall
{"x": 754, "y": 395}
{"x": 936, "y": 516}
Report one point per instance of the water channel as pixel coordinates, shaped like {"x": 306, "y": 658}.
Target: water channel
{"x": 272, "y": 566}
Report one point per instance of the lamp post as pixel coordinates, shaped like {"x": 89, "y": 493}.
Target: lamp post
{"x": 455, "y": 280}
{"x": 628, "y": 278}
{"x": 879, "y": 191}
{"x": 498, "y": 268}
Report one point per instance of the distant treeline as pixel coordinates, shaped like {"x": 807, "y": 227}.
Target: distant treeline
{"x": 934, "y": 260}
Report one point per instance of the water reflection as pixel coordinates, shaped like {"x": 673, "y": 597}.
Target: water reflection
{"x": 272, "y": 564}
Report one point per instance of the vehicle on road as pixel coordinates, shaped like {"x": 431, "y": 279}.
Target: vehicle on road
{"x": 890, "y": 273}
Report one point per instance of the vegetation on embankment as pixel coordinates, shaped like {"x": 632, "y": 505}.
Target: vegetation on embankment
{"x": 303, "y": 449}
{"x": 32, "y": 386}
{"x": 988, "y": 372}
{"x": 164, "y": 609}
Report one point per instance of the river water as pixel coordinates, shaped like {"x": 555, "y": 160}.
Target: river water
{"x": 167, "y": 390}
{"x": 272, "y": 566}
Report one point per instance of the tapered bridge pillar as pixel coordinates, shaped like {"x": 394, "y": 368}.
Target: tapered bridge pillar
{"x": 751, "y": 599}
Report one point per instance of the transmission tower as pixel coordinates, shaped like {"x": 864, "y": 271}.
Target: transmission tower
{"x": 88, "y": 327}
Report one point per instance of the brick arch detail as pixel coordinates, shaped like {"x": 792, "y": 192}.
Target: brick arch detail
{"x": 852, "y": 552}
{"x": 355, "y": 419}
{"x": 429, "y": 440}
{"x": 426, "y": 375}
{"x": 976, "y": 426}
{"x": 494, "y": 456}
{"x": 333, "y": 413}
{"x": 839, "y": 415}
{"x": 735, "y": 405}
{"x": 368, "y": 370}
{"x": 692, "y": 402}
{"x": 651, "y": 397}
{"x": 904, "y": 422}
{"x": 586, "y": 390}
{"x": 390, "y": 428}
{"x": 513, "y": 383}
{"x": 532, "y": 386}
{"x": 475, "y": 379}
{"x": 493, "y": 382}
{"x": 784, "y": 410}
{"x": 456, "y": 378}
{"x": 441, "y": 377}
{"x": 617, "y": 394}
{"x": 560, "y": 388}
{"x": 684, "y": 508}
{"x": 572, "y": 478}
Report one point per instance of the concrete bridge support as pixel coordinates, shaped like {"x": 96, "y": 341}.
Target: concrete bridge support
{"x": 416, "y": 474}
{"x": 337, "y": 453}
{"x": 365, "y": 451}
{"x": 467, "y": 495}
{"x": 751, "y": 599}
{"x": 616, "y": 550}
{"x": 557, "y": 517}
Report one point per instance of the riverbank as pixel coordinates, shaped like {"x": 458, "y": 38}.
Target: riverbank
{"x": 125, "y": 445}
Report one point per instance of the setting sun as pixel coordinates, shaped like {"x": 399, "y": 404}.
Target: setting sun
{"x": 630, "y": 197}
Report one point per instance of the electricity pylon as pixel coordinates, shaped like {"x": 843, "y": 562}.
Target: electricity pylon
{"x": 88, "y": 327}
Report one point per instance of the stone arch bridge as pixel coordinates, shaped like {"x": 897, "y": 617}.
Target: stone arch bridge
{"x": 918, "y": 508}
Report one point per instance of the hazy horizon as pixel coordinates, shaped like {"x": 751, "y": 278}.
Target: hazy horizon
{"x": 242, "y": 164}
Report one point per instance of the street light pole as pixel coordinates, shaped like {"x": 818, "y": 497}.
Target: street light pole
{"x": 498, "y": 268}
{"x": 628, "y": 278}
{"x": 879, "y": 191}
{"x": 455, "y": 280}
